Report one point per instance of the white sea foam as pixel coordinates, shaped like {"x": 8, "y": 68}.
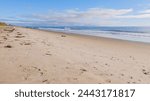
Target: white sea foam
{"x": 127, "y": 33}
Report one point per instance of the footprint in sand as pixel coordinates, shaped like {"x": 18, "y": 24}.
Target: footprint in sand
{"x": 1, "y": 42}
{"x": 106, "y": 64}
{"x": 25, "y": 43}
{"x": 111, "y": 74}
{"x": 4, "y": 37}
{"x": 108, "y": 81}
{"x": 8, "y": 46}
{"x": 96, "y": 61}
{"x": 32, "y": 72}
{"x": 128, "y": 82}
{"x": 134, "y": 82}
{"x": 131, "y": 77}
{"x": 83, "y": 70}
{"x": 145, "y": 72}
{"x": 75, "y": 78}
{"x": 115, "y": 59}
{"x": 9, "y": 30}
{"x": 67, "y": 67}
{"x": 19, "y": 36}
{"x": 131, "y": 82}
{"x": 95, "y": 68}
{"x": 131, "y": 57}
{"x": 48, "y": 54}
{"x": 63, "y": 35}
{"x": 18, "y": 33}
{"x": 39, "y": 70}
{"x": 45, "y": 81}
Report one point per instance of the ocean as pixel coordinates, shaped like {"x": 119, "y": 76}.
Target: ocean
{"x": 140, "y": 34}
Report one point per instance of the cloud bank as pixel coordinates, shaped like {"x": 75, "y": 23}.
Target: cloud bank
{"x": 92, "y": 16}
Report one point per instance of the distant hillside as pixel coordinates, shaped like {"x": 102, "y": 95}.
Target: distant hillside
{"x": 3, "y": 24}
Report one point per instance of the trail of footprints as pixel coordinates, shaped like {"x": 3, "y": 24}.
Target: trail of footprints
{"x": 6, "y": 33}
{"x": 32, "y": 72}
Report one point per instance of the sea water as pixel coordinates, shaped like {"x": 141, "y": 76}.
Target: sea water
{"x": 140, "y": 34}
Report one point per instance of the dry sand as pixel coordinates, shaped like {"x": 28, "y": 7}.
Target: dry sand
{"x": 34, "y": 56}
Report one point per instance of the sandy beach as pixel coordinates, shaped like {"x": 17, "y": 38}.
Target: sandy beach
{"x": 42, "y": 57}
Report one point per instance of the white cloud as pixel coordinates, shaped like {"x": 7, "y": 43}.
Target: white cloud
{"x": 90, "y": 13}
{"x": 138, "y": 16}
{"x": 92, "y": 16}
{"x": 146, "y": 11}
{"x": 141, "y": 15}
{"x": 98, "y": 12}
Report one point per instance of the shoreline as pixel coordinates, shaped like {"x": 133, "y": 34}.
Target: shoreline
{"x": 44, "y": 57}
{"x": 76, "y": 34}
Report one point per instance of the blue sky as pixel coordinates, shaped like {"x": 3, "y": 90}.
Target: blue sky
{"x": 76, "y": 12}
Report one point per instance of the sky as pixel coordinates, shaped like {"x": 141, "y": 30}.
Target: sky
{"x": 76, "y": 12}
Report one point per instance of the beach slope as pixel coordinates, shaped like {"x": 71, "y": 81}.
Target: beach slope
{"x": 37, "y": 57}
